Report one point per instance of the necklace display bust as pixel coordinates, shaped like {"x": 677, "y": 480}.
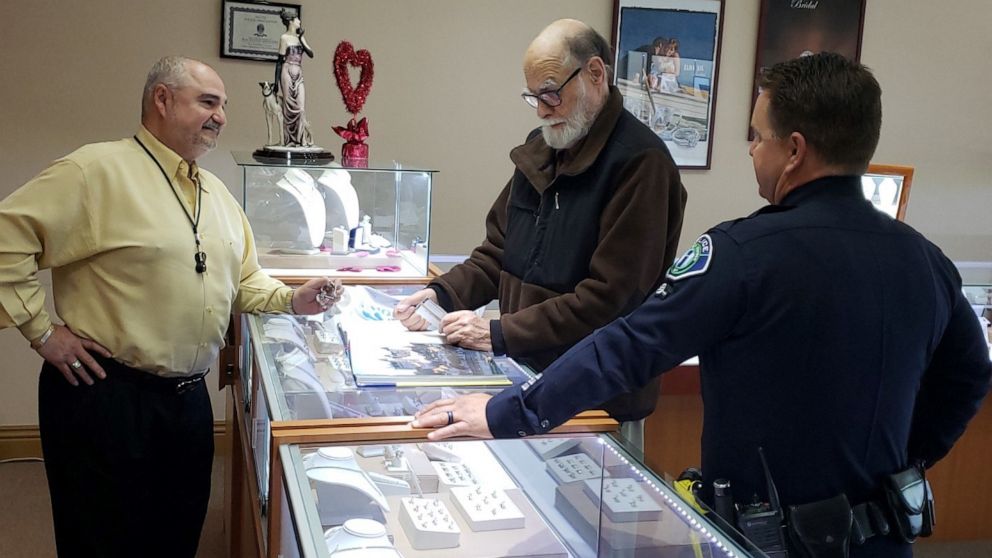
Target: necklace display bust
{"x": 300, "y": 185}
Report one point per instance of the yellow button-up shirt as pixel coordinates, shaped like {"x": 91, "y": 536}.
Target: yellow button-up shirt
{"x": 120, "y": 247}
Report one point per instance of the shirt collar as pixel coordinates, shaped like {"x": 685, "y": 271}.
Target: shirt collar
{"x": 848, "y": 186}
{"x": 174, "y": 165}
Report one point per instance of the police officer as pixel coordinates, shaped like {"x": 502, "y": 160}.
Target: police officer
{"x": 829, "y": 334}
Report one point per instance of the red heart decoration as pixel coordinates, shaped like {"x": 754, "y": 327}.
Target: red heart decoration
{"x": 354, "y": 98}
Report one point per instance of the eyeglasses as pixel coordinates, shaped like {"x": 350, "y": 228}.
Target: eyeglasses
{"x": 549, "y": 98}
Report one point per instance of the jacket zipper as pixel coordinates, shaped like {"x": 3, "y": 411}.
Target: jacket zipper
{"x": 540, "y": 206}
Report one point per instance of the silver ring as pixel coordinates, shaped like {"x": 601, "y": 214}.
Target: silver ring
{"x": 76, "y": 364}
{"x": 451, "y": 418}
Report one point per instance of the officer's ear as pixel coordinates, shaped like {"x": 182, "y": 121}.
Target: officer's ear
{"x": 799, "y": 151}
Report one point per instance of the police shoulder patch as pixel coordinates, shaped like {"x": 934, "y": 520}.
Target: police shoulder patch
{"x": 695, "y": 261}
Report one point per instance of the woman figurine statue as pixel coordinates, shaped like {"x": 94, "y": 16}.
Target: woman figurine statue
{"x": 289, "y": 81}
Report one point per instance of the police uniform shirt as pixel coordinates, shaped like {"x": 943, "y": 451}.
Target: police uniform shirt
{"x": 816, "y": 322}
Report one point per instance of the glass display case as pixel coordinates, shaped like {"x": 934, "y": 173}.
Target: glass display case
{"x": 296, "y": 385}
{"x": 565, "y": 496}
{"x": 300, "y": 377}
{"x": 323, "y": 219}
{"x": 976, "y": 280}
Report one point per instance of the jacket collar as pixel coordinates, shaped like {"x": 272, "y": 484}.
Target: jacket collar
{"x": 540, "y": 163}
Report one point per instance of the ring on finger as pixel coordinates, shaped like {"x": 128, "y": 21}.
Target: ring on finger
{"x": 451, "y": 418}
{"x": 76, "y": 364}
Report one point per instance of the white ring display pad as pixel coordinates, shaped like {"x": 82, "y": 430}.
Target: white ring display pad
{"x": 337, "y": 465}
{"x": 341, "y": 199}
{"x": 299, "y": 184}
{"x": 297, "y": 367}
{"x": 364, "y": 537}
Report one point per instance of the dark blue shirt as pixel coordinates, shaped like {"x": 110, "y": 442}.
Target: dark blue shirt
{"x": 830, "y": 334}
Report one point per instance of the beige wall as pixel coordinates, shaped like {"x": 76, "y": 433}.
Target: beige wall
{"x": 445, "y": 95}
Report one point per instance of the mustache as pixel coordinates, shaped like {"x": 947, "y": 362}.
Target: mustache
{"x": 211, "y": 125}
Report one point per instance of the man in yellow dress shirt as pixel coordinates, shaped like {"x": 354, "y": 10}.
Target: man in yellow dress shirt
{"x": 149, "y": 255}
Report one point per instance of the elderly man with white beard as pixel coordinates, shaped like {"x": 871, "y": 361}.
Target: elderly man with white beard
{"x": 582, "y": 232}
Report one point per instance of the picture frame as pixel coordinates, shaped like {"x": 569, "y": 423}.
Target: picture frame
{"x": 251, "y": 30}
{"x": 788, "y": 29}
{"x": 887, "y": 188}
{"x": 666, "y": 64}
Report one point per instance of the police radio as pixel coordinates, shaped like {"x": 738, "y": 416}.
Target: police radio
{"x": 761, "y": 522}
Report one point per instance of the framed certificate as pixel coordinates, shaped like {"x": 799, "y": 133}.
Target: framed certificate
{"x": 251, "y": 30}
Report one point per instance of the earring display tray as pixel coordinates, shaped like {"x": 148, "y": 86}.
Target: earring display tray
{"x": 454, "y": 474}
{"x": 574, "y": 468}
{"x": 638, "y": 539}
{"x": 428, "y": 524}
{"x": 552, "y": 447}
{"x": 534, "y": 540}
{"x": 487, "y": 510}
{"x": 624, "y": 500}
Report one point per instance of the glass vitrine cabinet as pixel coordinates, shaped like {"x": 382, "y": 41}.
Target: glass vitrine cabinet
{"x": 324, "y": 219}
{"x": 576, "y": 496}
{"x": 295, "y": 386}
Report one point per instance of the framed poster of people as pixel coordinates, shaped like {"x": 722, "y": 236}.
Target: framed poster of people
{"x": 789, "y": 29}
{"x": 667, "y": 53}
{"x": 251, "y": 30}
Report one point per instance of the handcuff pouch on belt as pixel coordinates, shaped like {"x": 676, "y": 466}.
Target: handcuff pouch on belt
{"x": 821, "y": 529}
{"x": 911, "y": 502}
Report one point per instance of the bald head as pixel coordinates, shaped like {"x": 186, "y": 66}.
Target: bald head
{"x": 566, "y": 68}
{"x": 567, "y": 42}
{"x": 183, "y": 105}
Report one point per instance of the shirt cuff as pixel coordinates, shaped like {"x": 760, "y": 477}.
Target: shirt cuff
{"x": 505, "y": 415}
{"x": 509, "y": 416}
{"x": 36, "y": 326}
{"x": 496, "y": 337}
{"x": 287, "y": 300}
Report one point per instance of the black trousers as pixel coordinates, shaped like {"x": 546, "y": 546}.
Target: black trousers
{"x": 128, "y": 462}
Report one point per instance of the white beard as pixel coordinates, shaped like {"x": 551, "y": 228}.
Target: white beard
{"x": 576, "y": 126}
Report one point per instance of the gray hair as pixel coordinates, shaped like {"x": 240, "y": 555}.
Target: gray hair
{"x": 588, "y": 43}
{"x": 170, "y": 71}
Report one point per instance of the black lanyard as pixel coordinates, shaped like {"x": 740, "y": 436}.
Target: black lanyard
{"x": 200, "y": 257}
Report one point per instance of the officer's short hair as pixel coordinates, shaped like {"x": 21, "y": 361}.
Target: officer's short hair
{"x": 835, "y": 103}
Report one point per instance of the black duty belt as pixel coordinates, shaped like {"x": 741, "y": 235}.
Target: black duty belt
{"x": 869, "y": 521}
